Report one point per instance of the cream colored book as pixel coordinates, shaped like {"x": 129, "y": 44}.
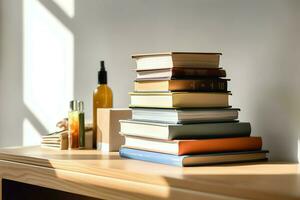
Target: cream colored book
{"x": 177, "y": 59}
{"x": 179, "y": 99}
{"x": 53, "y": 146}
{"x": 51, "y": 141}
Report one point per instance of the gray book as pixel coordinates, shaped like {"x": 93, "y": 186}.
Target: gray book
{"x": 185, "y": 116}
{"x": 185, "y": 131}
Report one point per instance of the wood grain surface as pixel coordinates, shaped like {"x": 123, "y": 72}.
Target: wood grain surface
{"x": 94, "y": 174}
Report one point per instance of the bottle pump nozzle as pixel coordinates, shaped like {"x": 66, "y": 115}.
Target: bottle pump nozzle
{"x": 102, "y": 74}
{"x": 102, "y": 65}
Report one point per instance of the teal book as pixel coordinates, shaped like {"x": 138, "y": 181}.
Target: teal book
{"x": 193, "y": 160}
{"x": 184, "y": 131}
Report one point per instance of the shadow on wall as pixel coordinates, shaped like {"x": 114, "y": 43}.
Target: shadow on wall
{"x": 15, "y": 115}
{"x": 48, "y": 57}
{"x": 44, "y": 76}
{"x": 37, "y": 87}
{"x": 42, "y": 79}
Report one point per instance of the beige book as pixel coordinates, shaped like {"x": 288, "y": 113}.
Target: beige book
{"x": 108, "y": 128}
{"x": 58, "y": 140}
{"x": 51, "y": 139}
{"x": 50, "y": 142}
{"x": 55, "y": 135}
{"x": 179, "y": 99}
{"x": 177, "y": 59}
{"x": 53, "y": 146}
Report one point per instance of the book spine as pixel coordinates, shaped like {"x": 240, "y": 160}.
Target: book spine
{"x": 148, "y": 156}
{"x": 204, "y": 85}
{"x": 189, "y": 72}
{"x": 219, "y": 145}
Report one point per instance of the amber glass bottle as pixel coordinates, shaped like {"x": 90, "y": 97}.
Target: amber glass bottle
{"x": 102, "y": 98}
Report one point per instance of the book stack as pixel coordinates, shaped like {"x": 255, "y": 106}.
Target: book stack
{"x": 181, "y": 115}
{"x": 60, "y": 140}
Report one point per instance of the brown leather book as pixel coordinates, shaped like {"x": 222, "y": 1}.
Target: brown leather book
{"x": 175, "y": 73}
{"x": 203, "y": 85}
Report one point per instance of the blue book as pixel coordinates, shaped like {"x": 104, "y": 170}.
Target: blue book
{"x": 193, "y": 160}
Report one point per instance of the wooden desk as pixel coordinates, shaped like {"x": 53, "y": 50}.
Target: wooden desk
{"x": 109, "y": 177}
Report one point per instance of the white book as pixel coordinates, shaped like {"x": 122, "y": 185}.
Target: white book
{"x": 182, "y": 116}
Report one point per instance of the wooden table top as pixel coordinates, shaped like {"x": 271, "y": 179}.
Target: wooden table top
{"x": 263, "y": 180}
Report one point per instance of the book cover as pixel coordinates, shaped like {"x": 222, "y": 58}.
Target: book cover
{"x": 185, "y": 116}
{"x": 176, "y": 73}
{"x": 177, "y": 59}
{"x": 204, "y": 84}
{"x": 185, "y": 131}
{"x": 187, "y": 147}
{"x": 193, "y": 160}
{"x": 179, "y": 99}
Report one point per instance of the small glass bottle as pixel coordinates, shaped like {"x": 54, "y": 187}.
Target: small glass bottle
{"x": 102, "y": 98}
{"x": 73, "y": 124}
{"x": 81, "y": 125}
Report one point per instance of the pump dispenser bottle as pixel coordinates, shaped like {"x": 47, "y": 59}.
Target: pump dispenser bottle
{"x": 102, "y": 98}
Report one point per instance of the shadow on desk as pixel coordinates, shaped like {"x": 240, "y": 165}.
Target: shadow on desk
{"x": 85, "y": 157}
{"x": 21, "y": 191}
{"x": 280, "y": 181}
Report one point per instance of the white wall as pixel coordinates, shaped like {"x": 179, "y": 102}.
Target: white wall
{"x": 258, "y": 39}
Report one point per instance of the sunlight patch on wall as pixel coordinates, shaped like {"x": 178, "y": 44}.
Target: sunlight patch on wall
{"x": 67, "y": 6}
{"x": 47, "y": 65}
{"x": 30, "y": 135}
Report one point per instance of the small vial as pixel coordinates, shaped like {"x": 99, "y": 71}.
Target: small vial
{"x": 73, "y": 124}
{"x": 81, "y": 125}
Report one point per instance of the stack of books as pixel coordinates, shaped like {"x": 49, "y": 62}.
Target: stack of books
{"x": 60, "y": 140}
{"x": 181, "y": 114}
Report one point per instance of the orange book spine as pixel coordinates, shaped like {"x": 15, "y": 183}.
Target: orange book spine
{"x": 219, "y": 145}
